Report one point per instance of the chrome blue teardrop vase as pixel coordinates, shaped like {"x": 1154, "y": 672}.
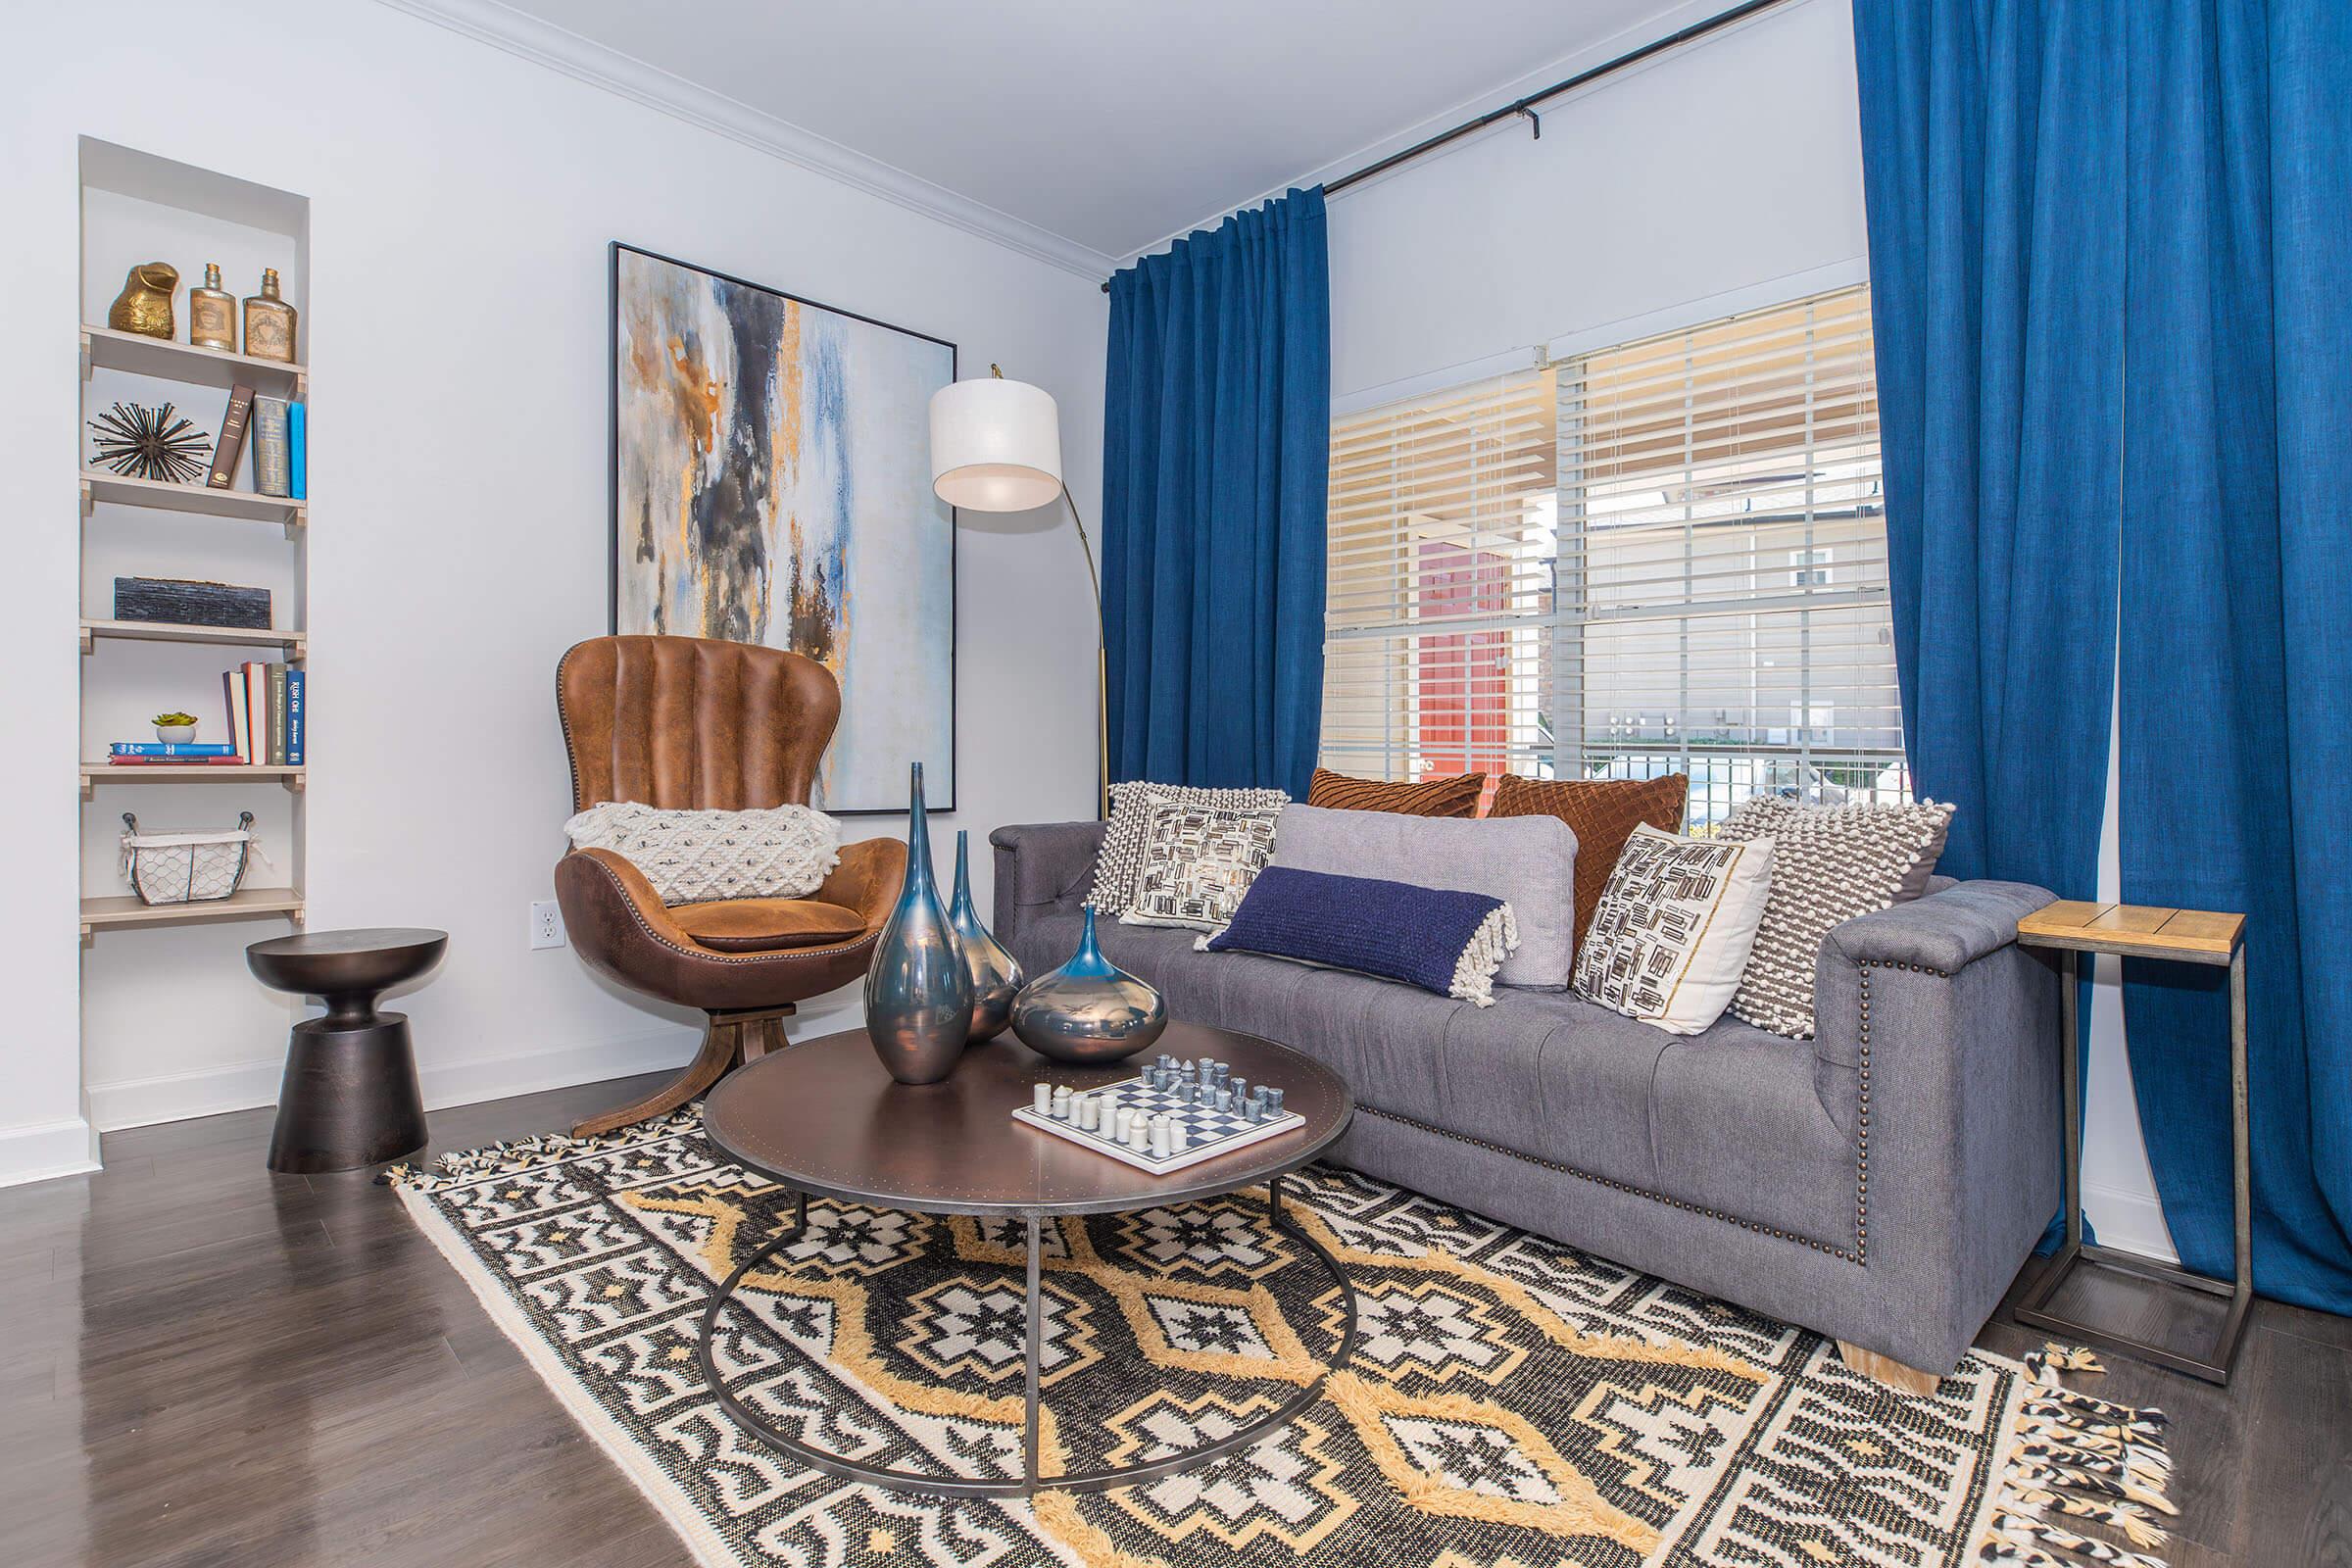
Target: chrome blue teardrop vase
{"x": 1090, "y": 1009}
{"x": 996, "y": 973}
{"x": 918, "y": 994}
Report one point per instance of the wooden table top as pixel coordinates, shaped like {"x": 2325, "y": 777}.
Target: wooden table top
{"x": 824, "y": 1117}
{"x": 2200, "y": 936}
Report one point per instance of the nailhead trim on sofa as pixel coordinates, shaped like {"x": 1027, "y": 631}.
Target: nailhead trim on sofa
{"x": 1858, "y": 1253}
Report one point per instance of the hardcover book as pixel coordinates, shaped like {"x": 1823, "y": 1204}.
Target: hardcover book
{"x": 232, "y": 761}
{"x": 182, "y": 750}
{"x": 298, "y": 460}
{"x": 296, "y": 680}
{"x": 277, "y": 715}
{"x": 231, "y": 444}
{"x": 271, "y": 455}
{"x": 257, "y": 710}
{"x": 232, "y": 690}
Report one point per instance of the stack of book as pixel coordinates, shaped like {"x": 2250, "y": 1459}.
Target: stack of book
{"x": 266, "y": 704}
{"x": 280, "y": 439}
{"x": 265, "y": 707}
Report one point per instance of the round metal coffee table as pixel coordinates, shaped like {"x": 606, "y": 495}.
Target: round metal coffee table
{"x": 825, "y": 1119}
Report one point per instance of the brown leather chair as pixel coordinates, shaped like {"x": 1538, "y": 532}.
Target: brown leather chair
{"x": 687, "y": 724}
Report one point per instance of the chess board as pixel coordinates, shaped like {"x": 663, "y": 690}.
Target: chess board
{"x": 1208, "y": 1131}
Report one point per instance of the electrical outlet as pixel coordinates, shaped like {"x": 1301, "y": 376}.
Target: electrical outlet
{"x": 546, "y": 924}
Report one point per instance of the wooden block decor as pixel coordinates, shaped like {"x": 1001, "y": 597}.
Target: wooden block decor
{"x": 179, "y": 602}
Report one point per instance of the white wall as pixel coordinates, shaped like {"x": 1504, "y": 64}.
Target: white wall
{"x": 1721, "y": 176}
{"x": 462, "y": 201}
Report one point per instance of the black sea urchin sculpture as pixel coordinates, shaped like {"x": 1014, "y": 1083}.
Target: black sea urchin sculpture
{"x": 150, "y": 444}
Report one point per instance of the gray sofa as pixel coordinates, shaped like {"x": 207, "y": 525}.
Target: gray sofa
{"x": 1881, "y": 1184}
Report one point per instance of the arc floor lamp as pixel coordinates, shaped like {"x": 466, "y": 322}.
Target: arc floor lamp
{"x": 996, "y": 446}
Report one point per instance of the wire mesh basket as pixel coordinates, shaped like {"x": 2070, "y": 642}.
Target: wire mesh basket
{"x": 186, "y": 867}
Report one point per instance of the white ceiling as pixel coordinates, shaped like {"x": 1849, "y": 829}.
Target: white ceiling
{"x": 1093, "y": 128}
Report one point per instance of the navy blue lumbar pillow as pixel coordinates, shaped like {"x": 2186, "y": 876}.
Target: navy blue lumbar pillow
{"x": 1445, "y": 942}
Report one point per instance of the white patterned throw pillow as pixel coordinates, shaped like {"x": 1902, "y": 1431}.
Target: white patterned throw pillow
{"x": 1198, "y": 861}
{"x": 1830, "y": 864}
{"x": 777, "y": 851}
{"x": 1672, "y": 931}
{"x": 1121, "y": 858}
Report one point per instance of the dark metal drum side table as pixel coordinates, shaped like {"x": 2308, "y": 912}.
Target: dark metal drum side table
{"x": 2072, "y": 928}
{"x": 350, "y": 1095}
{"x": 824, "y": 1118}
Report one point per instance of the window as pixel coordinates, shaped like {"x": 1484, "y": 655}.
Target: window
{"x": 1665, "y": 556}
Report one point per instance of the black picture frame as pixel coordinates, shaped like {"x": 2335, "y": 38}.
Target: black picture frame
{"x": 612, "y": 542}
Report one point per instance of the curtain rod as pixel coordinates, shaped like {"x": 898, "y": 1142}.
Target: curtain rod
{"x": 1527, "y": 105}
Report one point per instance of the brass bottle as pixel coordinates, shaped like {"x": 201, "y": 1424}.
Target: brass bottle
{"x": 268, "y": 321}
{"x": 145, "y": 303}
{"x": 212, "y": 313}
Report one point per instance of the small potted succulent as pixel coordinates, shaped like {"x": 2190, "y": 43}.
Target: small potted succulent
{"x": 174, "y": 729}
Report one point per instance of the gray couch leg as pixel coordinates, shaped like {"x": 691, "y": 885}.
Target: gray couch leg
{"x": 1888, "y": 1371}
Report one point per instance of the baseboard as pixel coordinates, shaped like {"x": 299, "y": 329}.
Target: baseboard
{"x": 248, "y": 1085}
{"x": 2129, "y": 1221}
{"x": 47, "y": 1149}
{"x": 469, "y": 1083}
{"x": 184, "y": 1096}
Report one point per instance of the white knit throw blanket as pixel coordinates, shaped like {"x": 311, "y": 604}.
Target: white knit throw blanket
{"x": 777, "y": 851}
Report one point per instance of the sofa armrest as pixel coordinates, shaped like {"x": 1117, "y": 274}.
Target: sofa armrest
{"x": 1942, "y": 931}
{"x": 1043, "y": 868}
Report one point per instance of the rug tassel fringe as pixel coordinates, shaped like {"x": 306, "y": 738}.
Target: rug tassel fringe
{"x": 2078, "y": 1458}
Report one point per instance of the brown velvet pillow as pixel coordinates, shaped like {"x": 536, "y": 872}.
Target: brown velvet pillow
{"x": 766, "y": 925}
{"x": 1456, "y": 795}
{"x": 1603, "y": 813}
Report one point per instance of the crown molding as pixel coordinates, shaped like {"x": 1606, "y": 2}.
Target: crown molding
{"x": 583, "y": 60}
{"x": 1668, "y": 19}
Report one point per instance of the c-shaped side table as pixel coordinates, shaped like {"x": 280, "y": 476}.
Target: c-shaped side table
{"x": 2073, "y": 928}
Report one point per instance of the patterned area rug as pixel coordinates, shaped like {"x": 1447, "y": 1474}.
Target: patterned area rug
{"x": 1510, "y": 1402}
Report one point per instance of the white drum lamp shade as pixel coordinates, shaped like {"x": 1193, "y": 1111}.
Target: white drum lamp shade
{"x": 995, "y": 445}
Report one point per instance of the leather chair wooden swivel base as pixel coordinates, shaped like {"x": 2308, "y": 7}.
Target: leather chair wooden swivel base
{"x": 688, "y": 723}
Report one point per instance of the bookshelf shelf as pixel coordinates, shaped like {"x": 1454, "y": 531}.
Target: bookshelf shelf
{"x": 156, "y": 631}
{"x": 246, "y": 903}
{"x": 104, "y": 348}
{"x": 98, "y": 485}
{"x": 94, "y": 774}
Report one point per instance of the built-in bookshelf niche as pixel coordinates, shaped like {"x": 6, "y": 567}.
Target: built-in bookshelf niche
{"x": 139, "y": 207}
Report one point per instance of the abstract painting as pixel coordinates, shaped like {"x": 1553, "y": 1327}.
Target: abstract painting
{"x": 772, "y": 484}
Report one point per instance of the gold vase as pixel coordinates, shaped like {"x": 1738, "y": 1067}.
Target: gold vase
{"x": 268, "y": 321}
{"x": 145, "y": 303}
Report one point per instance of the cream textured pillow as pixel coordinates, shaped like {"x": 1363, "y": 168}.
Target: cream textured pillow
{"x": 1198, "y": 861}
{"x": 777, "y": 851}
{"x": 1121, "y": 858}
{"x": 1672, "y": 931}
{"x": 1830, "y": 864}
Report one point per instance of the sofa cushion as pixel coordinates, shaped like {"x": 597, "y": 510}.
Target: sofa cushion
{"x": 1198, "y": 861}
{"x": 1675, "y": 925}
{"x": 766, "y": 925}
{"x": 1530, "y": 864}
{"x": 1454, "y": 796}
{"x": 1121, "y": 856}
{"x": 1740, "y": 1128}
{"x": 1446, "y": 941}
{"x": 1830, "y": 864}
{"x": 1602, "y": 812}
{"x": 1539, "y": 1071}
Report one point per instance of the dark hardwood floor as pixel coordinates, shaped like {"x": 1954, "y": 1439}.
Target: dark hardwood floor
{"x": 201, "y": 1363}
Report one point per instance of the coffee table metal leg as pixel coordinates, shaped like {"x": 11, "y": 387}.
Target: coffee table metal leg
{"x": 1030, "y": 1417}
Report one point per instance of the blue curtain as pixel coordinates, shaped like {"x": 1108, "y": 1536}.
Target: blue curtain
{"x": 1991, "y": 143}
{"x": 2111, "y": 266}
{"x": 2236, "y": 668}
{"x": 1216, "y": 442}
{"x": 1991, "y": 135}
